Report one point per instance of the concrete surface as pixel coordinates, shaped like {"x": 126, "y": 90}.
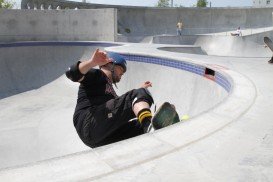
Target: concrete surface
{"x": 231, "y": 46}
{"x": 227, "y": 138}
{"x": 58, "y": 25}
{"x": 184, "y": 49}
{"x": 234, "y": 133}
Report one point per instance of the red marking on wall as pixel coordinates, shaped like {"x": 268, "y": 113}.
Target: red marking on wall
{"x": 209, "y": 74}
{"x": 210, "y": 77}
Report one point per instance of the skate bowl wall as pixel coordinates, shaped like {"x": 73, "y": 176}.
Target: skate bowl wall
{"x": 30, "y": 65}
{"x": 174, "y": 39}
{"x": 217, "y": 45}
{"x": 184, "y": 49}
{"x": 231, "y": 46}
{"x": 38, "y": 101}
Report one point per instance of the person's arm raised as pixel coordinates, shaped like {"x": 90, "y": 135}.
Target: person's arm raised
{"x": 98, "y": 58}
{"x": 77, "y": 71}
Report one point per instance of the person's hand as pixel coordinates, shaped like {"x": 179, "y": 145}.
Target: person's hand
{"x": 100, "y": 58}
{"x": 146, "y": 84}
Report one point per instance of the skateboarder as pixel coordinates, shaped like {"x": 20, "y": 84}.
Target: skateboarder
{"x": 101, "y": 117}
{"x": 179, "y": 27}
{"x": 237, "y": 33}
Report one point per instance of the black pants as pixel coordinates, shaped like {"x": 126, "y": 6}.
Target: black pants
{"x": 108, "y": 123}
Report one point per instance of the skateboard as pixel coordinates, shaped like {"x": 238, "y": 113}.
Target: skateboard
{"x": 165, "y": 115}
{"x": 234, "y": 34}
{"x": 269, "y": 43}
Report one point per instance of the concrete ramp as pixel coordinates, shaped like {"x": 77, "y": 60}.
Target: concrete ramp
{"x": 218, "y": 45}
{"x": 231, "y": 46}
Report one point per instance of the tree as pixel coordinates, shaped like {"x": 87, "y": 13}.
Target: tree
{"x": 6, "y": 4}
{"x": 163, "y": 3}
{"x": 202, "y": 3}
{"x": 178, "y": 5}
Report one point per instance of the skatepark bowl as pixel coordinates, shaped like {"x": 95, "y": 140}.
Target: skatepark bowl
{"x": 38, "y": 101}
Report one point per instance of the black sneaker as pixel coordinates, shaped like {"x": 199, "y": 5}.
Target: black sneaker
{"x": 149, "y": 128}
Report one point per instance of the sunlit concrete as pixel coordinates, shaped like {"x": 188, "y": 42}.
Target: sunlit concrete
{"x": 227, "y": 138}
{"x": 231, "y": 140}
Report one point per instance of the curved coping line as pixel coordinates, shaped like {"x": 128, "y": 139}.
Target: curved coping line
{"x": 175, "y": 147}
{"x": 218, "y": 78}
{"x": 58, "y": 43}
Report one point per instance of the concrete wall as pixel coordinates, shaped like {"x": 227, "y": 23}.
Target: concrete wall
{"x": 130, "y": 22}
{"x": 262, "y": 3}
{"x": 25, "y": 4}
{"x": 259, "y": 37}
{"x": 144, "y": 21}
{"x": 173, "y": 39}
{"x": 65, "y": 25}
{"x": 184, "y": 49}
{"x": 153, "y": 21}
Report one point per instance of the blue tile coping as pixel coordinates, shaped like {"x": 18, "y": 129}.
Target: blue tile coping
{"x": 182, "y": 65}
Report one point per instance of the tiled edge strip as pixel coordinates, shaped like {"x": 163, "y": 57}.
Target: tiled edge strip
{"x": 182, "y": 65}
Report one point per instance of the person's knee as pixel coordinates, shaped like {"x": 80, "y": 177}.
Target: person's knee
{"x": 143, "y": 94}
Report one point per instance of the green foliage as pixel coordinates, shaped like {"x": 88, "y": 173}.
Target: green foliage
{"x": 178, "y": 5}
{"x": 163, "y": 3}
{"x": 6, "y": 4}
{"x": 202, "y": 3}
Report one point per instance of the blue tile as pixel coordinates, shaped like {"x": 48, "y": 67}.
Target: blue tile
{"x": 200, "y": 70}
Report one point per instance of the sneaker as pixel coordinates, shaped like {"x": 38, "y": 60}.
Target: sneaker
{"x": 149, "y": 129}
{"x": 147, "y": 126}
